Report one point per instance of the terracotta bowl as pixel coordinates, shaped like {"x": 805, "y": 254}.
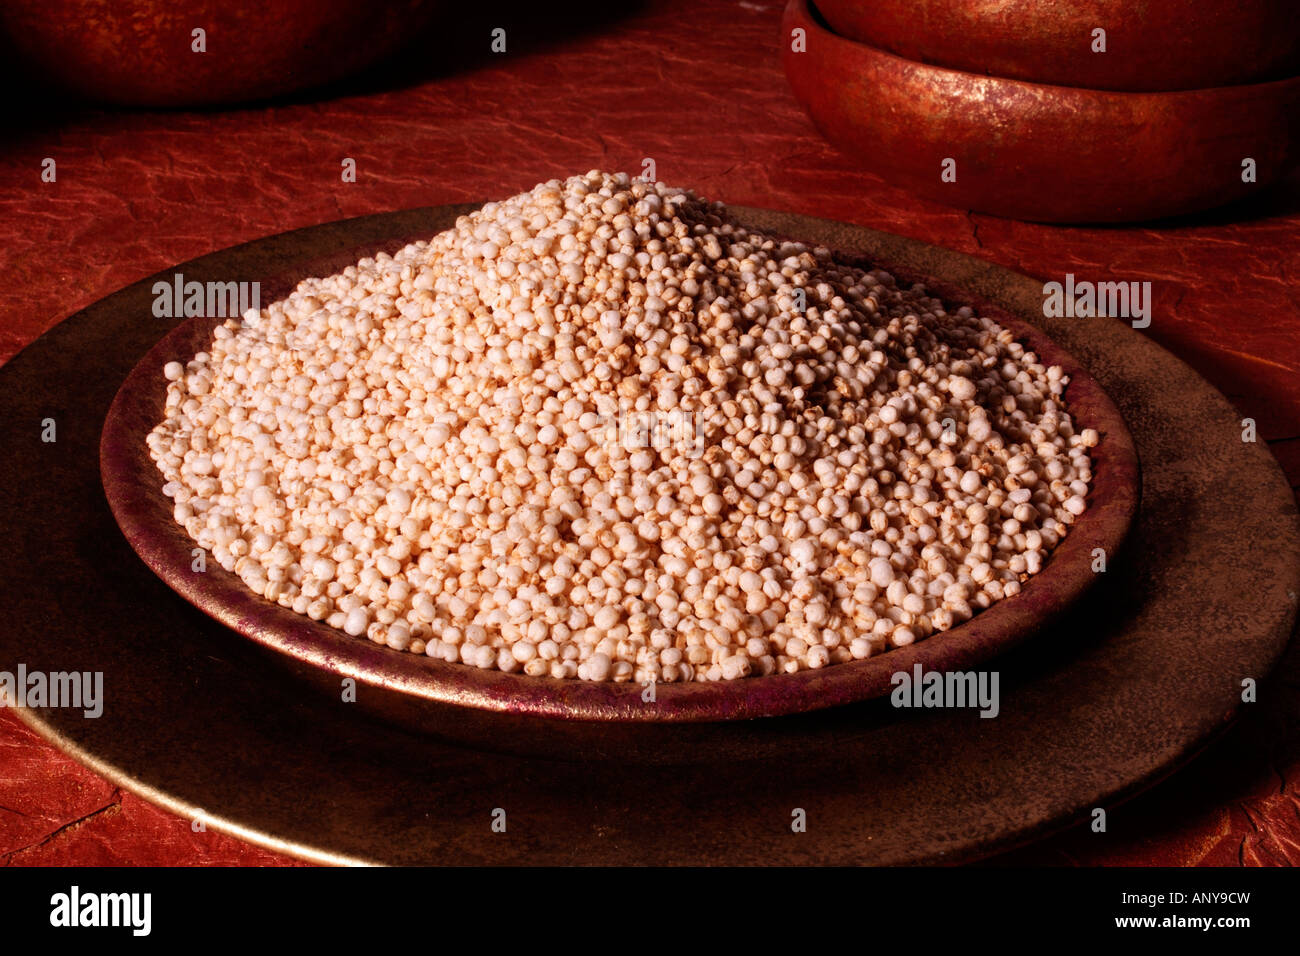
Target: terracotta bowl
{"x": 488, "y": 708}
{"x": 1152, "y": 45}
{"x": 1030, "y": 151}
{"x": 140, "y": 52}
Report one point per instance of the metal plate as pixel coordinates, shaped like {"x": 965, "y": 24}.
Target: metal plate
{"x": 1132, "y": 682}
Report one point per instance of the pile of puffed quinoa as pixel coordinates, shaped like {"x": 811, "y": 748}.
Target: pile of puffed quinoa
{"x": 600, "y": 430}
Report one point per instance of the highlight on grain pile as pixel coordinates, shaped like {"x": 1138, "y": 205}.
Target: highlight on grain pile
{"x": 600, "y": 430}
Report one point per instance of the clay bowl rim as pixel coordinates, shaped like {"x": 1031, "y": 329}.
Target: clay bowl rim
{"x": 144, "y": 515}
{"x": 820, "y": 19}
{"x": 806, "y": 12}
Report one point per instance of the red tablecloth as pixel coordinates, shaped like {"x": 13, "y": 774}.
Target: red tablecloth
{"x": 697, "y": 88}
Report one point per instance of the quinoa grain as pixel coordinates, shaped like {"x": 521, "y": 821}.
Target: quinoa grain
{"x": 590, "y": 432}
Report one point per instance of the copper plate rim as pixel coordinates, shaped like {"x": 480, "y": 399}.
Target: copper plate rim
{"x": 132, "y": 486}
{"x": 161, "y": 798}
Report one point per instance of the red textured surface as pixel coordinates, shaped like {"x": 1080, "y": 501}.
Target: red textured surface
{"x": 138, "y": 192}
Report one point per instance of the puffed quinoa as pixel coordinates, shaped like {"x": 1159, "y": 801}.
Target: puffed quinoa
{"x": 601, "y": 430}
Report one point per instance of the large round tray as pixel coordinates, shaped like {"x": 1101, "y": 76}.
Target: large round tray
{"x": 1140, "y": 675}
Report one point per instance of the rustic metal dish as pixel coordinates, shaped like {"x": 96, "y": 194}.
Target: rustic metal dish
{"x": 460, "y": 701}
{"x": 1034, "y": 151}
{"x": 142, "y": 53}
